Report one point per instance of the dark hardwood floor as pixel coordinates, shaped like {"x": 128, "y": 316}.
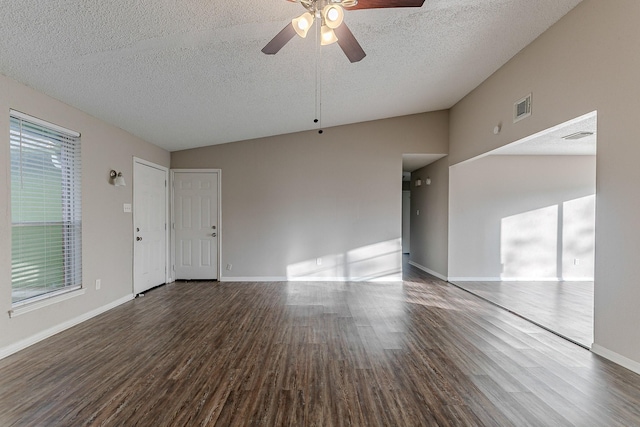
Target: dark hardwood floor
{"x": 417, "y": 353}
{"x": 565, "y": 308}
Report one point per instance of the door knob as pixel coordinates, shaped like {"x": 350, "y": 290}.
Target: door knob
{"x": 214, "y": 235}
{"x": 138, "y": 238}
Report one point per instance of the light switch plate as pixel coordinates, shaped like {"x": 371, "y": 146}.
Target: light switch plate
{"x": 127, "y": 207}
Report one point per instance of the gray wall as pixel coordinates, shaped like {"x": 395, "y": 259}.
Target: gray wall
{"x": 583, "y": 63}
{"x": 107, "y": 236}
{"x": 522, "y": 218}
{"x": 430, "y": 229}
{"x": 291, "y": 199}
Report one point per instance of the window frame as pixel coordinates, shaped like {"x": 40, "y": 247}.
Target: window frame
{"x": 41, "y": 137}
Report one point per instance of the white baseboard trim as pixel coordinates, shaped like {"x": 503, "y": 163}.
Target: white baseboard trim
{"x": 519, "y": 279}
{"x": 24, "y": 343}
{"x": 390, "y": 278}
{"x": 310, "y": 279}
{"x": 428, "y": 270}
{"x": 631, "y": 365}
{"x": 254, "y": 279}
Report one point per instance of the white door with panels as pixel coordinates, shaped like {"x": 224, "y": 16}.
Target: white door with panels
{"x": 196, "y": 224}
{"x": 150, "y": 201}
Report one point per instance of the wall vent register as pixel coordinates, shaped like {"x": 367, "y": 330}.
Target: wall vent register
{"x": 522, "y": 109}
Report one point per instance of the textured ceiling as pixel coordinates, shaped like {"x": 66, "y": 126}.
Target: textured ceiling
{"x": 552, "y": 141}
{"x": 190, "y": 73}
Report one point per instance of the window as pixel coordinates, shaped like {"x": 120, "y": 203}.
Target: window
{"x": 46, "y": 223}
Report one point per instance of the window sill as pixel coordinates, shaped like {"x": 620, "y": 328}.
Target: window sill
{"x": 28, "y": 307}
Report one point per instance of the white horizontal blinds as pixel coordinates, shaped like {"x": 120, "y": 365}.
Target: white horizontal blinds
{"x": 45, "y": 210}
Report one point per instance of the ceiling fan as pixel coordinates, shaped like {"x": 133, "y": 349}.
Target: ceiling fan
{"x": 332, "y": 29}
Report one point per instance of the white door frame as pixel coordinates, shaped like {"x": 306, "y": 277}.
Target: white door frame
{"x": 406, "y": 222}
{"x": 219, "y": 214}
{"x": 167, "y": 276}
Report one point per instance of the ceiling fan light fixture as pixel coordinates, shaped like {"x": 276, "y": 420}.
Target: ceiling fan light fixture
{"x": 349, "y": 3}
{"x": 302, "y": 23}
{"x": 327, "y": 36}
{"x": 333, "y": 15}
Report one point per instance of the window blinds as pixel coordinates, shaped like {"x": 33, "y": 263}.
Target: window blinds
{"x": 46, "y": 217}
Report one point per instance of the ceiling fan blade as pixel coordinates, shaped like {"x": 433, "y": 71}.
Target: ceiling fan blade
{"x": 279, "y": 40}
{"x": 349, "y": 44}
{"x": 378, "y": 4}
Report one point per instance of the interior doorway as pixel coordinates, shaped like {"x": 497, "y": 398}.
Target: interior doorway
{"x": 522, "y": 227}
{"x": 410, "y": 164}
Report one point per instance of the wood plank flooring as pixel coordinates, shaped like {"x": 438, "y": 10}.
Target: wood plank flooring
{"x": 417, "y": 353}
{"x": 563, "y": 307}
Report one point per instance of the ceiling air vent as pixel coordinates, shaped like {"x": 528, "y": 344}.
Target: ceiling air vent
{"x": 578, "y": 135}
{"x": 522, "y": 109}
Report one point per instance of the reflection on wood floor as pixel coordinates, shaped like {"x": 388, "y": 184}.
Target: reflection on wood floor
{"x": 417, "y": 353}
{"x": 563, "y": 307}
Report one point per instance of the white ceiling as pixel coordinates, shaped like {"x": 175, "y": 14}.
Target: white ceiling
{"x": 551, "y": 142}
{"x": 190, "y": 73}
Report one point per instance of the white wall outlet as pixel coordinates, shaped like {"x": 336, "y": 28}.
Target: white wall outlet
{"x": 418, "y": 212}
{"x": 127, "y": 207}
{"x": 98, "y": 283}
{"x": 229, "y": 267}
{"x": 576, "y": 261}
{"x": 318, "y": 261}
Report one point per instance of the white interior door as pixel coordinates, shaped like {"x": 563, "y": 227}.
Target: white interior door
{"x": 196, "y": 224}
{"x": 149, "y": 226}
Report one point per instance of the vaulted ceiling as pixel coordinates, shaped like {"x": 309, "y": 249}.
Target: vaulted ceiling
{"x": 190, "y": 73}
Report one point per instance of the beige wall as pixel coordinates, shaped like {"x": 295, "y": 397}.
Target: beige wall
{"x": 522, "y": 218}
{"x": 291, "y": 199}
{"x": 430, "y": 229}
{"x": 585, "y": 62}
{"x": 106, "y": 230}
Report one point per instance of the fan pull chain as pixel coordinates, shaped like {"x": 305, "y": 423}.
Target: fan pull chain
{"x": 315, "y": 120}
{"x": 318, "y": 112}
